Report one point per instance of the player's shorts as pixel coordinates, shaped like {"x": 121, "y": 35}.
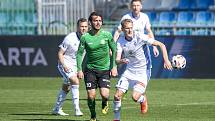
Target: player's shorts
{"x": 134, "y": 80}
{"x": 97, "y": 78}
{"x": 67, "y": 75}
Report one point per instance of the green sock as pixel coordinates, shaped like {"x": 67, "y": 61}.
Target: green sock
{"x": 104, "y": 103}
{"x": 92, "y": 105}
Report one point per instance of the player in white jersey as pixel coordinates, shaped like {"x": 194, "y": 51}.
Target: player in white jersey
{"x": 140, "y": 24}
{"x": 68, "y": 68}
{"x": 138, "y": 70}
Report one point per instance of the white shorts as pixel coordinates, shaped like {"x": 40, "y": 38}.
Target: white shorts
{"x": 135, "y": 80}
{"x": 67, "y": 75}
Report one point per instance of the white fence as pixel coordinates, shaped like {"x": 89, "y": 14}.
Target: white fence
{"x": 60, "y": 16}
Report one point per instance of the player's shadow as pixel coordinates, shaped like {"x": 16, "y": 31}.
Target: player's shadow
{"x": 49, "y": 120}
{"x": 31, "y": 114}
{"x": 44, "y": 119}
{"x": 96, "y": 99}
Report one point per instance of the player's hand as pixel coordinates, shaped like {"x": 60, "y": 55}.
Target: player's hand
{"x": 168, "y": 65}
{"x": 66, "y": 69}
{"x": 114, "y": 71}
{"x": 80, "y": 75}
{"x": 155, "y": 51}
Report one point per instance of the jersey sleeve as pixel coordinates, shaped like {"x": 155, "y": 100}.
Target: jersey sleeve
{"x": 112, "y": 45}
{"x": 146, "y": 39}
{"x": 80, "y": 54}
{"x": 64, "y": 45}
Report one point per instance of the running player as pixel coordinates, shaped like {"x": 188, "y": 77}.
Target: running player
{"x": 100, "y": 64}
{"x": 138, "y": 70}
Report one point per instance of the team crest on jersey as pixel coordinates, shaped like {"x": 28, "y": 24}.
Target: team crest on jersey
{"x": 102, "y": 41}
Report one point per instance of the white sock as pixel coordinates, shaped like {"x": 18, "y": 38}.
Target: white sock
{"x": 117, "y": 108}
{"x": 141, "y": 99}
{"x": 60, "y": 99}
{"x": 75, "y": 96}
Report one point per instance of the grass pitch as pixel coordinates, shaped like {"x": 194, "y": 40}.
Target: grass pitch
{"x": 32, "y": 99}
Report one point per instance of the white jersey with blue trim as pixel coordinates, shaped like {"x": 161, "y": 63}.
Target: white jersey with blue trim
{"x": 70, "y": 46}
{"x": 136, "y": 51}
{"x": 139, "y": 23}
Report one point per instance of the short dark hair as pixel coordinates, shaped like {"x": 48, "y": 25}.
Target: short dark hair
{"x": 136, "y": 1}
{"x": 123, "y": 22}
{"x": 81, "y": 20}
{"x": 94, "y": 14}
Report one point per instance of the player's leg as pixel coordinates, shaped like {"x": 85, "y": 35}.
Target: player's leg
{"x": 60, "y": 100}
{"x": 74, "y": 81}
{"x": 138, "y": 96}
{"x": 90, "y": 82}
{"x": 104, "y": 88}
{"x": 63, "y": 92}
{"x": 146, "y": 78}
{"x": 122, "y": 87}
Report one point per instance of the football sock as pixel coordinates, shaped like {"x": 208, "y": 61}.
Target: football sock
{"x": 75, "y": 96}
{"x": 60, "y": 99}
{"x": 104, "y": 103}
{"x": 116, "y": 108}
{"x": 91, "y": 105}
{"x": 141, "y": 99}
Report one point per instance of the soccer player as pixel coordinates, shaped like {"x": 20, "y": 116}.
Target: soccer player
{"x": 100, "y": 65}
{"x": 138, "y": 70}
{"x": 68, "y": 68}
{"x": 140, "y": 24}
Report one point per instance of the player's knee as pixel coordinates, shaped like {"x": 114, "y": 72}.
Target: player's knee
{"x": 135, "y": 97}
{"x": 117, "y": 97}
{"x": 66, "y": 88}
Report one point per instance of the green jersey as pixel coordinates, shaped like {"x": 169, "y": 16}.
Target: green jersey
{"x": 97, "y": 51}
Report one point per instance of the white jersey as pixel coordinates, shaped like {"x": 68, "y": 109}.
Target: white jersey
{"x": 70, "y": 46}
{"x": 139, "y": 23}
{"x": 136, "y": 51}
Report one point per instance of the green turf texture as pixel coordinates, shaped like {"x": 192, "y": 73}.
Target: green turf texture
{"x": 32, "y": 99}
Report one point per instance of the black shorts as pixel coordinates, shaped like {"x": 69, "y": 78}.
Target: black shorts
{"x": 96, "y": 78}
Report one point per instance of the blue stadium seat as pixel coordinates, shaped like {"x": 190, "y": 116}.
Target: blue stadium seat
{"x": 167, "y": 18}
{"x": 150, "y": 4}
{"x": 152, "y": 17}
{"x": 186, "y": 4}
{"x": 4, "y": 18}
{"x": 204, "y": 4}
{"x": 185, "y": 18}
{"x": 204, "y": 18}
{"x": 167, "y": 5}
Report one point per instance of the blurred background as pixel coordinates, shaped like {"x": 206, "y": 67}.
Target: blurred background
{"x": 30, "y": 31}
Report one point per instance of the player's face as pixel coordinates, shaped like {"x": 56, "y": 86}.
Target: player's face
{"x": 136, "y": 7}
{"x": 96, "y": 22}
{"x": 83, "y": 27}
{"x": 128, "y": 30}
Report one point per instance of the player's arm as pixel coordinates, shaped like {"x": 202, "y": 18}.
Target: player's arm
{"x": 61, "y": 59}
{"x": 112, "y": 45}
{"x": 116, "y": 34}
{"x": 119, "y": 59}
{"x": 167, "y": 63}
{"x": 79, "y": 57}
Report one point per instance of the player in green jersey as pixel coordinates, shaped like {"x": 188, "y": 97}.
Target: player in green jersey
{"x": 100, "y": 65}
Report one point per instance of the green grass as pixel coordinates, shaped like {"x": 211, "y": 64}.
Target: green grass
{"x": 32, "y": 99}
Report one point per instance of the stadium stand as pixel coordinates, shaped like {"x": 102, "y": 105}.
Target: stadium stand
{"x": 151, "y": 4}
{"x": 167, "y": 18}
{"x": 204, "y": 4}
{"x": 167, "y": 5}
{"x": 176, "y": 17}
{"x": 153, "y": 17}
